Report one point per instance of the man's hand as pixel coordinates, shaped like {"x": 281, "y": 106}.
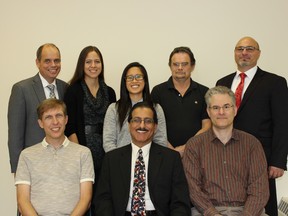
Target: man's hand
{"x": 275, "y": 172}
{"x": 180, "y": 149}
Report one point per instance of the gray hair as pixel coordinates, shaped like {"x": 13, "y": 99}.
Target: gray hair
{"x": 219, "y": 90}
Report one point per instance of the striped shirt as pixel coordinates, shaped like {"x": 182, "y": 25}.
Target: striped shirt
{"x": 55, "y": 175}
{"x": 234, "y": 174}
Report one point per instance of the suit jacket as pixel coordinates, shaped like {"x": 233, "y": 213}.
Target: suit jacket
{"x": 166, "y": 180}
{"x": 23, "y": 128}
{"x": 264, "y": 113}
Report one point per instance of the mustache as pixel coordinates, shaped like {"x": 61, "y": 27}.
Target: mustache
{"x": 142, "y": 129}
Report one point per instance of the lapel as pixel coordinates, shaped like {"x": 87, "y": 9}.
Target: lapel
{"x": 125, "y": 167}
{"x": 38, "y": 88}
{"x": 155, "y": 162}
{"x": 229, "y": 80}
{"x": 251, "y": 88}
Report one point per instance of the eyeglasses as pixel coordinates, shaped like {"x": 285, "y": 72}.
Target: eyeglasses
{"x": 248, "y": 49}
{"x": 177, "y": 64}
{"x": 137, "y": 77}
{"x": 225, "y": 108}
{"x": 137, "y": 121}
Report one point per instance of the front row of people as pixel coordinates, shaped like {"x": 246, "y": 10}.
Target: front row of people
{"x": 223, "y": 171}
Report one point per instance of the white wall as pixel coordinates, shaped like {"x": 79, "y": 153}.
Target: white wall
{"x": 134, "y": 30}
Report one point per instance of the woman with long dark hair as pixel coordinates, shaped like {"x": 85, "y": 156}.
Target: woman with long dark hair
{"x": 134, "y": 88}
{"x": 87, "y": 99}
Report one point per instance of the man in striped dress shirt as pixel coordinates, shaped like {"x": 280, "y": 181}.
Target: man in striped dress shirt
{"x": 226, "y": 168}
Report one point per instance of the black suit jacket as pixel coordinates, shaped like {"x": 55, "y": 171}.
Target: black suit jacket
{"x": 264, "y": 113}
{"x": 166, "y": 180}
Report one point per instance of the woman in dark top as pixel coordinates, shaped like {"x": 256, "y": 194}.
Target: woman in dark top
{"x": 87, "y": 99}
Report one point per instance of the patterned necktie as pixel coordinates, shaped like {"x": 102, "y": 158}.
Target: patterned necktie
{"x": 138, "y": 201}
{"x": 239, "y": 90}
{"x": 51, "y": 87}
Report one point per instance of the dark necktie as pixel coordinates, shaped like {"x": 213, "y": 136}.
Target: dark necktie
{"x": 239, "y": 90}
{"x": 138, "y": 201}
{"x": 51, "y": 87}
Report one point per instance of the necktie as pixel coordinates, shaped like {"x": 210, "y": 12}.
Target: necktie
{"x": 239, "y": 90}
{"x": 138, "y": 201}
{"x": 51, "y": 87}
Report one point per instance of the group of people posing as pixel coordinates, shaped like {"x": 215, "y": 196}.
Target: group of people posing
{"x": 183, "y": 149}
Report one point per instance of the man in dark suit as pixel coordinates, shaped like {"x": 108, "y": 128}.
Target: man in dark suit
{"x": 263, "y": 110}
{"x": 166, "y": 189}
{"x": 26, "y": 95}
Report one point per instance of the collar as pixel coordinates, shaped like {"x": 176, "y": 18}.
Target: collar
{"x": 44, "y": 81}
{"x": 64, "y": 144}
{"x": 212, "y": 135}
{"x": 250, "y": 73}
{"x": 170, "y": 83}
{"x": 145, "y": 149}
{"x": 133, "y": 103}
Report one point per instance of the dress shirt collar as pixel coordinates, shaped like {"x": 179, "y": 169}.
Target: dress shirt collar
{"x": 45, "y": 83}
{"x": 212, "y": 135}
{"x": 145, "y": 149}
{"x": 250, "y": 73}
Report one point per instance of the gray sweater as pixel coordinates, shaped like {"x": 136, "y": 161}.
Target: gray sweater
{"x": 114, "y": 138}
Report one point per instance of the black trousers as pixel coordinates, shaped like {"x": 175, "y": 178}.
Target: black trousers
{"x": 271, "y": 207}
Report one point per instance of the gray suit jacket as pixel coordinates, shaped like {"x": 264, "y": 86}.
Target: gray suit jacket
{"x": 23, "y": 128}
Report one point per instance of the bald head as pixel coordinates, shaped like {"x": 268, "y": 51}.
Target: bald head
{"x": 246, "y": 53}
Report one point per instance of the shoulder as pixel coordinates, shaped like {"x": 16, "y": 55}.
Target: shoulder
{"x": 111, "y": 108}
{"x": 78, "y": 147}
{"x": 246, "y": 137}
{"x": 74, "y": 88}
{"x": 161, "y": 86}
{"x": 164, "y": 150}
{"x": 229, "y": 76}
{"x": 27, "y": 82}
{"x": 61, "y": 82}
{"x": 199, "y": 86}
{"x": 111, "y": 93}
{"x": 269, "y": 76}
{"x": 119, "y": 151}
{"x": 32, "y": 149}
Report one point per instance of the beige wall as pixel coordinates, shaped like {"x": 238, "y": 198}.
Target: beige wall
{"x": 134, "y": 30}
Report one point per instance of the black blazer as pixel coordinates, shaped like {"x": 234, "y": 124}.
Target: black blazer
{"x": 166, "y": 180}
{"x": 264, "y": 113}
{"x": 74, "y": 99}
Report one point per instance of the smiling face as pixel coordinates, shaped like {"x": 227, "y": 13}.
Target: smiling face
{"x": 141, "y": 127}
{"x": 246, "y": 58}
{"x": 221, "y": 111}
{"x": 49, "y": 64}
{"x": 135, "y": 86}
{"x": 92, "y": 66}
{"x": 53, "y": 122}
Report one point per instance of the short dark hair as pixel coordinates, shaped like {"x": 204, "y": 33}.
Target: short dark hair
{"x": 183, "y": 49}
{"x": 39, "y": 50}
{"x": 48, "y": 104}
{"x": 144, "y": 104}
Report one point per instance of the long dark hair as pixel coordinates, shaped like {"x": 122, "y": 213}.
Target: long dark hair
{"x": 79, "y": 71}
{"x": 124, "y": 104}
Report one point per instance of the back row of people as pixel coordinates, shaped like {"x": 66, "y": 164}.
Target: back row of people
{"x": 180, "y": 105}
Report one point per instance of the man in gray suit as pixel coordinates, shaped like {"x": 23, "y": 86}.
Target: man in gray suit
{"x": 26, "y": 95}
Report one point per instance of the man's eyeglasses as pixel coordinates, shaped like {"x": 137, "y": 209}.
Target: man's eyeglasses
{"x": 137, "y": 77}
{"x": 137, "y": 121}
{"x": 225, "y": 108}
{"x": 182, "y": 64}
{"x": 249, "y": 49}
